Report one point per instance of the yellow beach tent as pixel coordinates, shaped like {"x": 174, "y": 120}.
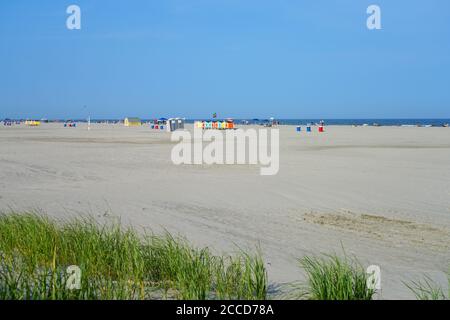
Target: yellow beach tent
{"x": 33, "y": 123}
{"x": 132, "y": 122}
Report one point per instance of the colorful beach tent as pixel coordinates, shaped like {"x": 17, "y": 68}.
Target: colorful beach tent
{"x": 132, "y": 122}
{"x": 33, "y": 123}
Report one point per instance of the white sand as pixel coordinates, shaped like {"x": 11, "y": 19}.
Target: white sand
{"x": 381, "y": 192}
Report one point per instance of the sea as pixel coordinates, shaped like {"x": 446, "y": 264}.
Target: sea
{"x": 356, "y": 122}
{"x": 346, "y": 122}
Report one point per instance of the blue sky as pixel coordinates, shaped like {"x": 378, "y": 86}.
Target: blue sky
{"x": 239, "y": 58}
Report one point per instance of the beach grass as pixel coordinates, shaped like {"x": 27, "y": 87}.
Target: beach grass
{"x": 117, "y": 263}
{"x": 331, "y": 277}
{"x": 427, "y": 289}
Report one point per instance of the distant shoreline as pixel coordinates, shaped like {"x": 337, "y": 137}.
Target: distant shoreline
{"x": 439, "y": 122}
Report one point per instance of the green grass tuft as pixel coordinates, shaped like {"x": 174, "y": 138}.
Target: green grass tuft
{"x": 334, "y": 278}
{"x": 116, "y": 263}
{"x": 427, "y": 289}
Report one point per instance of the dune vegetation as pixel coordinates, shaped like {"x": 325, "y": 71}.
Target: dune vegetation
{"x": 427, "y": 289}
{"x": 334, "y": 278}
{"x": 37, "y": 255}
{"x": 116, "y": 263}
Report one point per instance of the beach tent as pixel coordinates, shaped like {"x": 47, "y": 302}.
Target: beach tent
{"x": 175, "y": 124}
{"x": 132, "y": 122}
{"x": 162, "y": 121}
{"x": 230, "y": 123}
{"x": 198, "y": 124}
{"x": 33, "y": 123}
{"x": 215, "y": 124}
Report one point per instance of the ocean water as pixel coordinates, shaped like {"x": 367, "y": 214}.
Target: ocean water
{"x": 359, "y": 122}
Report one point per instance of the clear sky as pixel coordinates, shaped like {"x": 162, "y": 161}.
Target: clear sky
{"x": 239, "y": 58}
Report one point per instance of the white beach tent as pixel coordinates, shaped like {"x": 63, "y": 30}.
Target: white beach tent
{"x": 175, "y": 124}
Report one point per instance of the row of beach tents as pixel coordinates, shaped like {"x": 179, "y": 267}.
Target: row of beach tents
{"x": 215, "y": 124}
{"x": 173, "y": 124}
{"x": 170, "y": 125}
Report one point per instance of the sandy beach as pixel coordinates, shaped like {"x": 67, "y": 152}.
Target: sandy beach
{"x": 382, "y": 193}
